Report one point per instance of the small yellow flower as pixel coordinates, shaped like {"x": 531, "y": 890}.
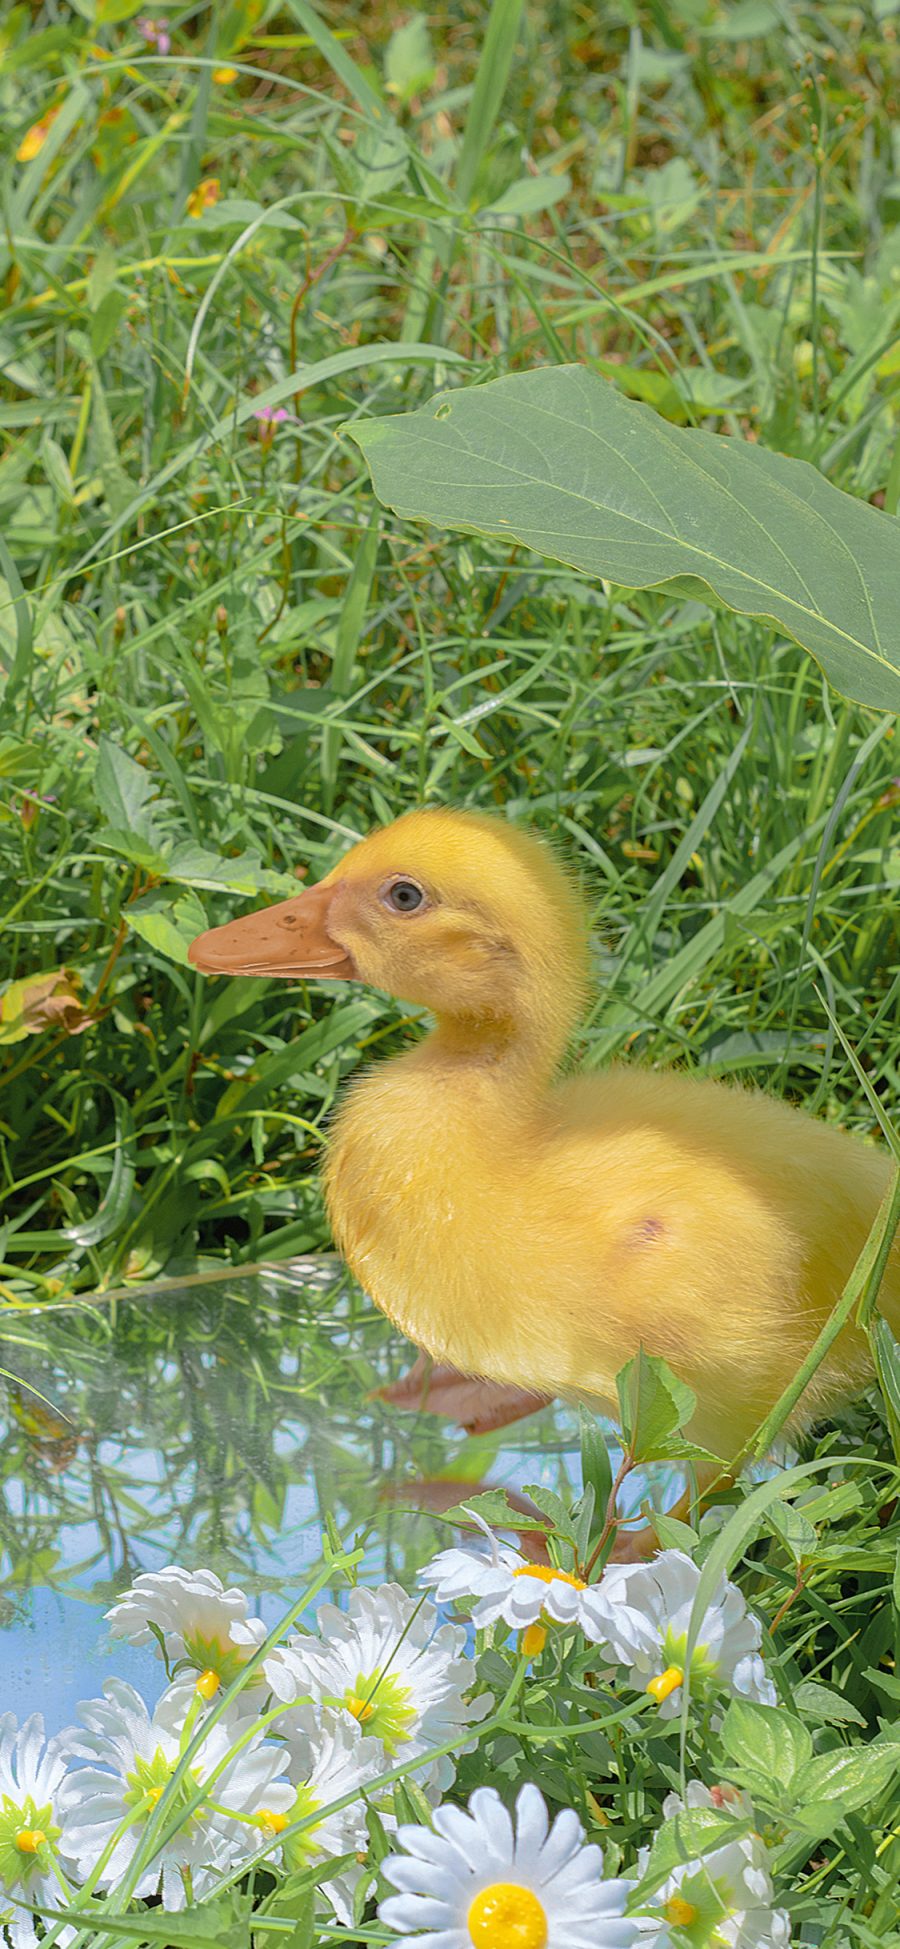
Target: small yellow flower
{"x": 208, "y": 1684}
{"x": 269, "y": 1822}
{"x": 32, "y": 143}
{"x": 533, "y": 1640}
{"x": 204, "y": 196}
{"x": 360, "y": 1708}
{"x": 29, "y": 1839}
{"x": 680, "y": 1912}
{"x": 667, "y": 1682}
{"x": 224, "y": 75}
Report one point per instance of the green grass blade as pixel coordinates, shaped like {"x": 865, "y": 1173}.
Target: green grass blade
{"x": 490, "y": 87}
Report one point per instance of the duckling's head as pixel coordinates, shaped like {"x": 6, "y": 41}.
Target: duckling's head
{"x": 456, "y": 911}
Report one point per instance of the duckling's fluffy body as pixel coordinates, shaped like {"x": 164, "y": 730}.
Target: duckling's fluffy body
{"x": 541, "y": 1244}
{"x": 535, "y": 1231}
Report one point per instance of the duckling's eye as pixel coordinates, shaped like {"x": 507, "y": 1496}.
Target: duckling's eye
{"x": 404, "y": 897}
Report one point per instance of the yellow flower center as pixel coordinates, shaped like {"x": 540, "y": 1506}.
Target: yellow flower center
{"x": 534, "y": 1638}
{"x": 269, "y": 1822}
{"x": 506, "y": 1916}
{"x": 208, "y": 1684}
{"x": 29, "y": 1839}
{"x": 362, "y": 1709}
{"x": 679, "y": 1912}
{"x": 546, "y": 1574}
{"x": 154, "y": 1794}
{"x": 666, "y": 1683}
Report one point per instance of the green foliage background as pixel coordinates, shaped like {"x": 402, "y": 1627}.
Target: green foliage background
{"x": 224, "y": 661}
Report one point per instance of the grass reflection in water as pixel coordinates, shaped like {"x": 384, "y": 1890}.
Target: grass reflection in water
{"x": 224, "y": 1422}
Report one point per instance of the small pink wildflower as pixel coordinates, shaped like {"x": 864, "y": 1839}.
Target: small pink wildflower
{"x": 267, "y": 418}
{"x": 154, "y": 34}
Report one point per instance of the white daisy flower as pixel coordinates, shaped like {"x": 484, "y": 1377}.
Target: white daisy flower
{"x": 32, "y": 1827}
{"x": 327, "y": 1757}
{"x": 640, "y": 1613}
{"x": 723, "y": 1897}
{"x": 134, "y": 1756}
{"x": 383, "y": 1662}
{"x": 480, "y": 1880}
{"x": 200, "y": 1621}
{"x": 505, "y": 1585}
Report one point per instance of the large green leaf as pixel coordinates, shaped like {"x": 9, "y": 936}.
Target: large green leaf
{"x": 559, "y": 460}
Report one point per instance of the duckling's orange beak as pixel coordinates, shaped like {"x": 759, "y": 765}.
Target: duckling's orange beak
{"x": 290, "y": 940}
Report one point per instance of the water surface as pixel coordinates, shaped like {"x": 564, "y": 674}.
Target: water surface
{"x": 221, "y": 1422}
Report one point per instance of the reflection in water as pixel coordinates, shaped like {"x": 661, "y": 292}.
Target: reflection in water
{"x": 222, "y": 1423}
{"x": 219, "y": 1424}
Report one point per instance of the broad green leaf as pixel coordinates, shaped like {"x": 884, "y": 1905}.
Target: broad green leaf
{"x": 494, "y": 1508}
{"x": 687, "y": 1836}
{"x": 409, "y": 61}
{"x": 123, "y": 789}
{"x": 852, "y": 1776}
{"x": 532, "y": 194}
{"x": 796, "y": 1532}
{"x": 560, "y": 461}
{"x": 673, "y": 1534}
{"x": 888, "y": 1682}
{"x": 132, "y": 845}
{"x": 677, "y": 1448}
{"x": 166, "y": 924}
{"x": 825, "y": 1706}
{"x": 197, "y": 866}
{"x": 653, "y": 1405}
{"x": 552, "y": 1506}
{"x": 766, "y": 1740}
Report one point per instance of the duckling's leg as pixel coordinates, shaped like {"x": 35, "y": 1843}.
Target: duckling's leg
{"x": 477, "y": 1405}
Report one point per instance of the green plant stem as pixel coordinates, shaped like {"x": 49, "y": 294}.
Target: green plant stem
{"x": 859, "y": 1295}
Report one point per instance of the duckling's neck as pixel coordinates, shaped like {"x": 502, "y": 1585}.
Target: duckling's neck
{"x": 519, "y": 1059}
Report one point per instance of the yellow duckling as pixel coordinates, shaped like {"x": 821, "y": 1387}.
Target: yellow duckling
{"x": 534, "y": 1229}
